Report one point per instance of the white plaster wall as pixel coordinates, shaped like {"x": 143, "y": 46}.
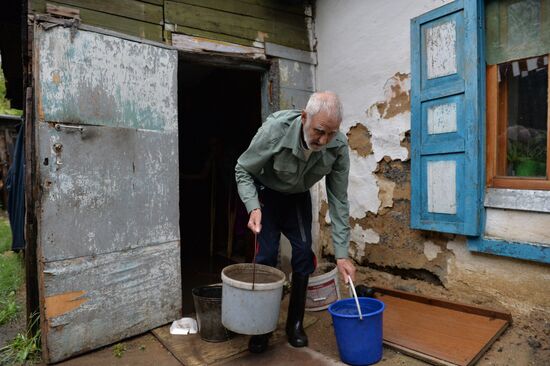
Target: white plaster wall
{"x": 361, "y": 46}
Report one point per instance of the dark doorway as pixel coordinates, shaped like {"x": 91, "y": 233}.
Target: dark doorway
{"x": 219, "y": 113}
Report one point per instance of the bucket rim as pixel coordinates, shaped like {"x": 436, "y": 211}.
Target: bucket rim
{"x": 248, "y": 285}
{"x": 352, "y": 300}
{"x": 322, "y": 277}
{"x": 196, "y": 290}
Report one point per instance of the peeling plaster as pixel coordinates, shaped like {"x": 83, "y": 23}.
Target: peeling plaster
{"x": 362, "y": 236}
{"x": 431, "y": 250}
{"x": 386, "y": 192}
{"x": 362, "y": 189}
{"x": 359, "y": 140}
{"x": 397, "y": 96}
{"x": 377, "y": 123}
{"x": 388, "y": 134}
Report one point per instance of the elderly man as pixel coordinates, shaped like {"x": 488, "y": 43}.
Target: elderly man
{"x": 292, "y": 151}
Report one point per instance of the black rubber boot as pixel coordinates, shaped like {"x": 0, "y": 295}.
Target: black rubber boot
{"x": 258, "y": 343}
{"x": 296, "y": 307}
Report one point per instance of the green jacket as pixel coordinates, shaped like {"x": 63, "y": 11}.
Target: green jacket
{"x": 276, "y": 159}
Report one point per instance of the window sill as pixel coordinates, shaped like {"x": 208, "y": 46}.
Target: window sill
{"x": 526, "y": 251}
{"x": 518, "y": 199}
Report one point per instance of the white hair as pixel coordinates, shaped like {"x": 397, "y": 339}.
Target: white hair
{"x": 327, "y": 102}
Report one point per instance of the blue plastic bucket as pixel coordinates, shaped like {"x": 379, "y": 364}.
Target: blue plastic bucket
{"x": 359, "y": 341}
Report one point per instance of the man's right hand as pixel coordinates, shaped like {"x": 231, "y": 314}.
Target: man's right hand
{"x": 255, "y": 221}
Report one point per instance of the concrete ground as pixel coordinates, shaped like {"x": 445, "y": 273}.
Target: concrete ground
{"x": 525, "y": 343}
{"x": 147, "y": 350}
{"x": 515, "y": 347}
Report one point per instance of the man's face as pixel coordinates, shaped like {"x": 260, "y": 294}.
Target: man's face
{"x": 319, "y": 129}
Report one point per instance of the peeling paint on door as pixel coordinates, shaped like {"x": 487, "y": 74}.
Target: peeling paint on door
{"x": 91, "y": 78}
{"x": 108, "y": 224}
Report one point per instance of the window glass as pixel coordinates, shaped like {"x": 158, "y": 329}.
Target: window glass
{"x": 523, "y": 116}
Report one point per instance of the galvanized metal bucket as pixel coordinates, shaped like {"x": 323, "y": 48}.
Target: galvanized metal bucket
{"x": 251, "y": 307}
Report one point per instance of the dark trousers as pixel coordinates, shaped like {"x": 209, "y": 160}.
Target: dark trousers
{"x": 289, "y": 214}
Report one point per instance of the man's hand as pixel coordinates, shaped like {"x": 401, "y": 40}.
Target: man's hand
{"x": 346, "y": 268}
{"x": 255, "y": 221}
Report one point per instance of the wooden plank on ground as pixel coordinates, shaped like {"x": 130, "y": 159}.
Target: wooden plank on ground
{"x": 190, "y": 350}
{"x": 439, "y": 331}
{"x": 241, "y": 26}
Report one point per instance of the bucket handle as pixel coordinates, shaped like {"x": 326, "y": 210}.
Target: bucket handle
{"x": 355, "y": 296}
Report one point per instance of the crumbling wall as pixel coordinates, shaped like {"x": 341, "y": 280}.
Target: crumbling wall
{"x": 363, "y": 55}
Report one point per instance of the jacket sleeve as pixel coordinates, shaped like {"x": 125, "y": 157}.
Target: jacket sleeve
{"x": 251, "y": 163}
{"x": 337, "y": 194}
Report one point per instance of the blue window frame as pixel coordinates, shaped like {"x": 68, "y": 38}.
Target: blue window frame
{"x": 448, "y": 128}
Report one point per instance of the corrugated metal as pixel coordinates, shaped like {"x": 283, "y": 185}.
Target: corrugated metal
{"x": 108, "y": 223}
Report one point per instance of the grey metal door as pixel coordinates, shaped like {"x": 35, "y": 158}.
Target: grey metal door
{"x": 108, "y": 214}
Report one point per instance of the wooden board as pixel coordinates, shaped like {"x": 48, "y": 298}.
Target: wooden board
{"x": 106, "y": 144}
{"x": 190, "y": 350}
{"x": 200, "y": 45}
{"x": 236, "y": 25}
{"x": 437, "y": 331}
{"x": 127, "y": 20}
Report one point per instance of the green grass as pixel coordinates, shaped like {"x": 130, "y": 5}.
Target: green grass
{"x": 24, "y": 347}
{"x": 5, "y": 107}
{"x": 11, "y": 275}
{"x": 5, "y": 234}
{"x": 119, "y": 349}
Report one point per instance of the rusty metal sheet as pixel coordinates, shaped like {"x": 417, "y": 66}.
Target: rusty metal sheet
{"x": 98, "y": 79}
{"x": 98, "y": 300}
{"x": 106, "y": 189}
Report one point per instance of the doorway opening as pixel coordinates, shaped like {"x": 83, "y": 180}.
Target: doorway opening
{"x": 219, "y": 112}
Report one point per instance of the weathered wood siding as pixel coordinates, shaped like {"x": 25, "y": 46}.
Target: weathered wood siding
{"x": 137, "y": 18}
{"x": 108, "y": 215}
{"x": 244, "y": 22}
{"x": 296, "y": 83}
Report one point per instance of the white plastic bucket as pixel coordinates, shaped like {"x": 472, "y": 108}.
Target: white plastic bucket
{"x": 322, "y": 288}
{"x": 251, "y": 311}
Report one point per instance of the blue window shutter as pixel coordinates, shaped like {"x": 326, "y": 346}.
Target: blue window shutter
{"x": 447, "y": 119}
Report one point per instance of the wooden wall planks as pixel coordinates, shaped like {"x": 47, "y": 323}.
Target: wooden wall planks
{"x": 238, "y": 25}
{"x": 237, "y": 21}
{"x": 136, "y": 18}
